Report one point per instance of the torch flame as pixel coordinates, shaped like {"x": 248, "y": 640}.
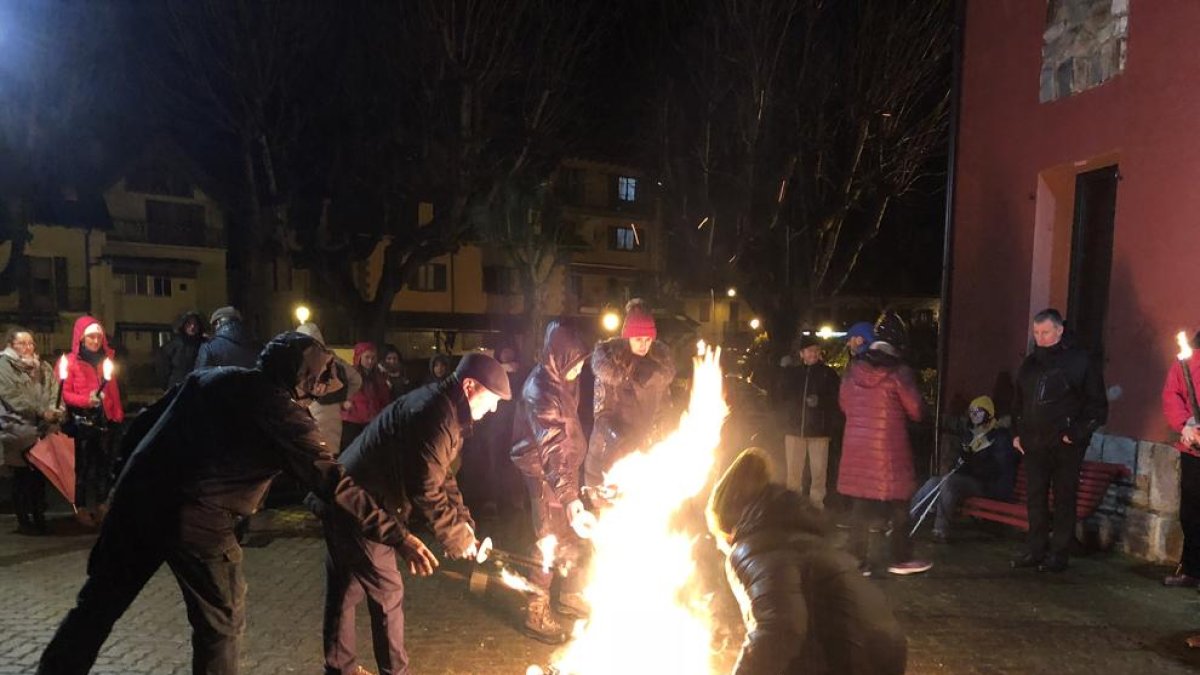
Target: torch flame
{"x": 108, "y": 369}
{"x": 646, "y": 611}
{"x": 62, "y": 367}
{"x": 701, "y": 347}
{"x": 517, "y": 582}
{"x": 547, "y": 545}
{"x": 1185, "y": 349}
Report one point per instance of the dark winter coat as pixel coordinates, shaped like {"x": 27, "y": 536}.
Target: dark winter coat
{"x": 1059, "y": 392}
{"x": 810, "y": 400}
{"x": 208, "y": 450}
{"x": 404, "y": 457}
{"x": 631, "y": 401}
{"x": 231, "y": 345}
{"x": 879, "y": 396}
{"x": 178, "y": 357}
{"x": 548, "y": 439}
{"x": 806, "y": 607}
{"x": 995, "y": 467}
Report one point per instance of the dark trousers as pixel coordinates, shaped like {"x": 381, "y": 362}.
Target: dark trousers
{"x": 93, "y": 463}
{"x": 1052, "y": 465}
{"x": 550, "y": 518}
{"x": 29, "y": 496}
{"x": 208, "y": 568}
{"x": 869, "y": 530}
{"x": 357, "y": 568}
{"x": 1189, "y": 512}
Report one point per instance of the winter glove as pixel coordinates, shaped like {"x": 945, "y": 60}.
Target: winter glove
{"x": 581, "y": 520}
{"x": 421, "y": 561}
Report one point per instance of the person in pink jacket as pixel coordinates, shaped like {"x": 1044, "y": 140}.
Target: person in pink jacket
{"x": 93, "y": 408}
{"x": 879, "y": 396}
{"x": 374, "y": 395}
{"x": 1177, "y": 408}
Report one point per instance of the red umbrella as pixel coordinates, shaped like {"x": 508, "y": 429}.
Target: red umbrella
{"x": 54, "y": 456}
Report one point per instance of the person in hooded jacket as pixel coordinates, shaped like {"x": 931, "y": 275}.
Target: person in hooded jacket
{"x": 631, "y": 393}
{"x": 440, "y": 367}
{"x": 987, "y": 467}
{"x": 178, "y": 357}
{"x": 93, "y": 410}
{"x": 203, "y": 456}
{"x": 392, "y": 366}
{"x": 879, "y": 396}
{"x": 404, "y": 458}
{"x": 1177, "y": 402}
{"x": 231, "y": 343}
{"x": 371, "y": 398}
{"x": 28, "y": 391}
{"x": 327, "y": 410}
{"x": 805, "y": 605}
{"x": 548, "y": 450}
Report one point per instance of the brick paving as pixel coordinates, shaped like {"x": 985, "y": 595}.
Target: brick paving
{"x": 971, "y": 614}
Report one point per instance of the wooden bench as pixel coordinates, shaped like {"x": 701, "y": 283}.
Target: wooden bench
{"x": 1094, "y": 479}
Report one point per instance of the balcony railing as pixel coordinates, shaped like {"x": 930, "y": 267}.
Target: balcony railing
{"x": 170, "y": 235}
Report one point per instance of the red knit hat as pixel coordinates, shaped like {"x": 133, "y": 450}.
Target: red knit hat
{"x": 639, "y": 323}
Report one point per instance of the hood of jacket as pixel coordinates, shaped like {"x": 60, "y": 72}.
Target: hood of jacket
{"x": 433, "y": 361}
{"x": 283, "y": 357}
{"x": 362, "y": 348}
{"x": 310, "y": 329}
{"x": 182, "y": 320}
{"x": 562, "y": 349}
{"x": 777, "y": 509}
{"x": 234, "y": 331}
{"x": 873, "y": 367}
{"x": 82, "y": 324}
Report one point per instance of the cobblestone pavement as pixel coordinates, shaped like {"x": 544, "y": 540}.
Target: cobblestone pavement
{"x": 971, "y": 614}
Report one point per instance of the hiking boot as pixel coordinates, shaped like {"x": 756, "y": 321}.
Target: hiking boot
{"x": 1026, "y": 561}
{"x": 1054, "y": 563}
{"x": 572, "y": 605}
{"x": 1181, "y": 581}
{"x": 540, "y": 623}
{"x": 910, "y": 567}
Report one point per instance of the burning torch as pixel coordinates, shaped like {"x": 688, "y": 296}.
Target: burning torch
{"x": 62, "y": 379}
{"x": 1185, "y": 354}
{"x": 106, "y": 370}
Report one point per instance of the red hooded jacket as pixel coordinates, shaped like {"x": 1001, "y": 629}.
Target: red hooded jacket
{"x": 83, "y": 379}
{"x": 879, "y": 396}
{"x": 374, "y": 395}
{"x": 1175, "y": 403}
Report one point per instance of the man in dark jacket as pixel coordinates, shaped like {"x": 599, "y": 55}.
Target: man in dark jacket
{"x": 205, "y": 454}
{"x": 231, "y": 344}
{"x": 810, "y": 405}
{"x": 1058, "y": 404}
{"x": 178, "y": 357}
{"x": 549, "y": 450}
{"x": 632, "y": 391}
{"x": 404, "y": 459}
{"x": 807, "y": 608}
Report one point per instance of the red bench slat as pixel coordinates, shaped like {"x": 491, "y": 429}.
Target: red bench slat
{"x": 1094, "y": 480}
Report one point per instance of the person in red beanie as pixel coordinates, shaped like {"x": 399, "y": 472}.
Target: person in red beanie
{"x": 93, "y": 408}
{"x": 374, "y": 395}
{"x": 633, "y": 378}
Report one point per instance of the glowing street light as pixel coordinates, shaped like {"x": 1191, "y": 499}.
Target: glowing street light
{"x": 755, "y": 323}
{"x": 610, "y": 321}
{"x": 302, "y": 314}
{"x": 825, "y": 332}
{"x": 732, "y": 292}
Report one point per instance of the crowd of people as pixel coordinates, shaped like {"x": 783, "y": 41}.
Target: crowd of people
{"x": 382, "y": 457}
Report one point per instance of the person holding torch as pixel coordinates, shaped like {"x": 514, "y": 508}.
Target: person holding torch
{"x": 1180, "y": 409}
{"x": 93, "y": 404}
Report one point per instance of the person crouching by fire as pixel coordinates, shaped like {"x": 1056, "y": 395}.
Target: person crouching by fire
{"x": 632, "y": 391}
{"x": 405, "y": 459}
{"x": 806, "y": 607}
{"x": 548, "y": 451}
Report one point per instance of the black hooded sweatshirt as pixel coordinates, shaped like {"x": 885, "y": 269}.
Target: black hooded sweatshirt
{"x": 806, "y": 606}
{"x": 549, "y": 444}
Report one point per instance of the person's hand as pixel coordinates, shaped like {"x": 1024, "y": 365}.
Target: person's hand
{"x": 421, "y": 561}
{"x": 581, "y": 520}
{"x": 1067, "y": 440}
{"x": 1017, "y": 444}
{"x": 471, "y": 550}
{"x": 94, "y": 400}
{"x": 1190, "y": 435}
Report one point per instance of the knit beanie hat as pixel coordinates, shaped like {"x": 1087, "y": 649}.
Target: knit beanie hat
{"x": 639, "y": 323}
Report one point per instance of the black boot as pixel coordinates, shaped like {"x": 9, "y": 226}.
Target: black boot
{"x": 876, "y": 559}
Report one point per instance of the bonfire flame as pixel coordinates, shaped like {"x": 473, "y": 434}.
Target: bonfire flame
{"x": 1185, "y": 349}
{"x": 517, "y": 582}
{"x": 547, "y": 546}
{"x": 647, "y": 615}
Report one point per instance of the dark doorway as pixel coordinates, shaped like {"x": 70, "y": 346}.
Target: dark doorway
{"x": 1091, "y": 255}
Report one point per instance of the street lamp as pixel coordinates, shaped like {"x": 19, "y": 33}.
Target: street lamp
{"x": 302, "y": 314}
{"x": 610, "y": 321}
{"x": 825, "y": 332}
{"x": 755, "y": 323}
{"x": 732, "y": 292}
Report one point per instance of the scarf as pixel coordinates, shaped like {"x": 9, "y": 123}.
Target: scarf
{"x": 981, "y": 436}
{"x": 30, "y": 365}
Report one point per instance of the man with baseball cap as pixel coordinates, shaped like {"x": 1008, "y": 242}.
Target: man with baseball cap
{"x": 403, "y": 458}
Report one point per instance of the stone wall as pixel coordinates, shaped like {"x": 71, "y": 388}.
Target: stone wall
{"x": 1140, "y": 515}
{"x": 1083, "y": 45}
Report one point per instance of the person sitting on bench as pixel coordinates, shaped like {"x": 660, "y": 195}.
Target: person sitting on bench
{"x": 987, "y": 467}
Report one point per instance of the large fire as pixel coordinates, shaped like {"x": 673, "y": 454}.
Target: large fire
{"x": 647, "y": 613}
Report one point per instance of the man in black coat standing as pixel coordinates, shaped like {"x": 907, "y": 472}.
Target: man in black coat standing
{"x": 405, "y": 460}
{"x": 811, "y": 416}
{"x": 1059, "y": 403}
{"x": 205, "y": 454}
